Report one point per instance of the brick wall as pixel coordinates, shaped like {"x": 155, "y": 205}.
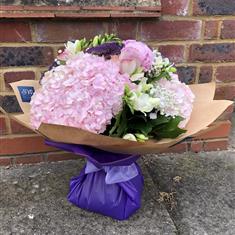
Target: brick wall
{"x": 198, "y": 35}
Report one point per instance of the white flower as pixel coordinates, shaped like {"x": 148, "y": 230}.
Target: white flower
{"x": 153, "y": 116}
{"x": 141, "y": 99}
{"x": 73, "y": 47}
{"x": 136, "y": 77}
{"x": 129, "y": 137}
{"x": 145, "y": 103}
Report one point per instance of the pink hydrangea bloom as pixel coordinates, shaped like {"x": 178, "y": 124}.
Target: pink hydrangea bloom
{"x": 176, "y": 98}
{"x": 85, "y": 93}
{"x": 136, "y": 53}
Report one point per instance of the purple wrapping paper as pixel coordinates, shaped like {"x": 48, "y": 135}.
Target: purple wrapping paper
{"x": 110, "y": 184}
{"x": 114, "y": 174}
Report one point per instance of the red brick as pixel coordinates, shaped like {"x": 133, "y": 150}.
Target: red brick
{"x": 54, "y": 157}
{"x": 26, "y": 56}
{"x": 14, "y": 32}
{"x": 23, "y": 145}
{"x": 230, "y": 109}
{"x": 173, "y": 52}
{"x": 28, "y": 159}
{"x": 52, "y": 8}
{"x": 9, "y": 104}
{"x": 211, "y": 29}
{"x": 213, "y": 7}
{"x": 5, "y": 161}
{"x": 215, "y": 145}
{"x": 3, "y": 127}
{"x": 16, "y": 128}
{"x": 61, "y": 31}
{"x": 178, "y": 148}
{"x": 170, "y": 30}
{"x": 108, "y": 8}
{"x": 146, "y": 8}
{"x": 17, "y": 76}
{"x": 228, "y": 29}
{"x": 216, "y": 52}
{"x": 82, "y": 15}
{"x": 27, "y": 15}
{"x": 225, "y": 92}
{"x": 124, "y": 29}
{"x": 205, "y": 74}
{"x": 225, "y": 73}
{"x": 216, "y": 131}
{"x": 196, "y": 146}
{"x": 187, "y": 74}
{"x": 227, "y": 114}
{"x": 11, "y": 8}
{"x": 135, "y": 15}
{"x": 176, "y": 7}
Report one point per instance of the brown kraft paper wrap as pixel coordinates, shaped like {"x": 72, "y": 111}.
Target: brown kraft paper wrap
{"x": 205, "y": 111}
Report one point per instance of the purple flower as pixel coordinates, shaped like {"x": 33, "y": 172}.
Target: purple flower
{"x": 106, "y": 49}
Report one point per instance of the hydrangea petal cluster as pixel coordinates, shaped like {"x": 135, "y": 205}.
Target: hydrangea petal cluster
{"x": 85, "y": 93}
{"x": 176, "y": 98}
{"x": 138, "y": 52}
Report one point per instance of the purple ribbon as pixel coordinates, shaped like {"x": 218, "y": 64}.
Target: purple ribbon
{"x": 114, "y": 174}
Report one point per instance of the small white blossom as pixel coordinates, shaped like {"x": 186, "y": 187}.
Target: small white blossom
{"x": 145, "y": 103}
{"x": 153, "y": 116}
{"x": 141, "y": 99}
{"x": 73, "y": 47}
{"x": 130, "y": 137}
{"x": 136, "y": 77}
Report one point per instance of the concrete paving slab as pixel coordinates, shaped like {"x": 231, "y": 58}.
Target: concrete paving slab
{"x": 202, "y": 190}
{"x": 33, "y": 201}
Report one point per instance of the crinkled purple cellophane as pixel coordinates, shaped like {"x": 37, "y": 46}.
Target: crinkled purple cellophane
{"x": 110, "y": 183}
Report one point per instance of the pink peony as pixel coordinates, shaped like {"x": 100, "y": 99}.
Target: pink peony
{"x": 85, "y": 93}
{"x": 135, "y": 54}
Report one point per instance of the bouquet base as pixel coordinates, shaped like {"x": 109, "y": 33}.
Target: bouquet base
{"x": 117, "y": 200}
{"x": 110, "y": 184}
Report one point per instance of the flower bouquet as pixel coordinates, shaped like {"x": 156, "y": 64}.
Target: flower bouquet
{"x": 110, "y": 101}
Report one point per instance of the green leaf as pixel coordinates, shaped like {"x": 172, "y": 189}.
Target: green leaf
{"x": 173, "y": 70}
{"x": 159, "y": 120}
{"x": 121, "y": 130}
{"x": 141, "y": 126}
{"x": 145, "y": 125}
{"x": 120, "y": 126}
{"x": 169, "y": 129}
{"x": 115, "y": 126}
